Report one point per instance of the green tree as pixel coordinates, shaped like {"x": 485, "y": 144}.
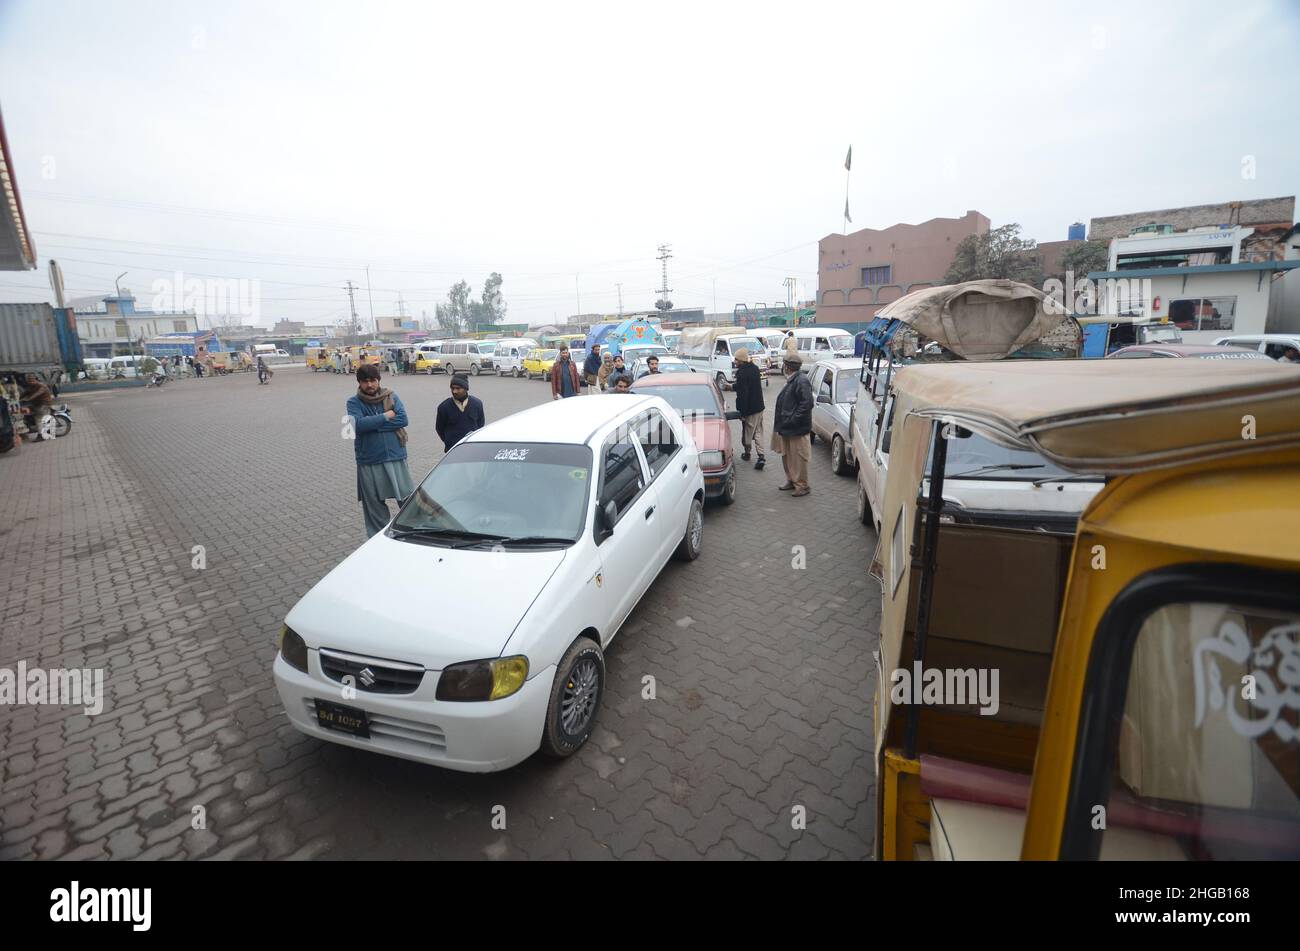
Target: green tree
{"x": 494, "y": 302}
{"x": 1084, "y": 258}
{"x": 1001, "y": 253}
{"x": 456, "y": 312}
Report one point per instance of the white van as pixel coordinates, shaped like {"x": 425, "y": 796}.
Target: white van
{"x": 712, "y": 350}
{"x": 96, "y": 368}
{"x": 460, "y": 355}
{"x": 508, "y": 358}
{"x": 822, "y": 343}
{"x": 127, "y": 367}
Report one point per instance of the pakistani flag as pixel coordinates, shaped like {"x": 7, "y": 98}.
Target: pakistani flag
{"x": 848, "y": 160}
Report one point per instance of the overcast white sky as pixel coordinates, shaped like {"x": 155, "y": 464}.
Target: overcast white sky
{"x": 295, "y": 143}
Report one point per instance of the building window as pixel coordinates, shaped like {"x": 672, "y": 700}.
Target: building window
{"x": 178, "y": 326}
{"x": 120, "y": 329}
{"x": 877, "y": 275}
{"x": 1203, "y": 313}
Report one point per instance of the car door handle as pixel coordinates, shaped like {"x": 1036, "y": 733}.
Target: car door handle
{"x": 683, "y": 467}
{"x": 650, "y": 511}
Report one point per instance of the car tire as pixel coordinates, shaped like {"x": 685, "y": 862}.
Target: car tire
{"x": 721, "y": 379}
{"x": 728, "y": 496}
{"x": 575, "y": 699}
{"x": 519, "y": 373}
{"x": 693, "y": 538}
{"x": 864, "y": 506}
{"x": 839, "y": 461}
{"x": 474, "y": 369}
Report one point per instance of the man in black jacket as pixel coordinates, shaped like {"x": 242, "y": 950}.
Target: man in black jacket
{"x": 459, "y": 415}
{"x": 792, "y": 425}
{"x": 749, "y": 404}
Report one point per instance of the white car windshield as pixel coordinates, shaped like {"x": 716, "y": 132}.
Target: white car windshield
{"x": 500, "y": 493}
{"x": 842, "y": 342}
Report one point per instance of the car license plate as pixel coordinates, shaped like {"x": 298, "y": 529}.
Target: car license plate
{"x": 335, "y": 716}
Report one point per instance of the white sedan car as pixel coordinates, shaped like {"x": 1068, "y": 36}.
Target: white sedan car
{"x": 471, "y": 632}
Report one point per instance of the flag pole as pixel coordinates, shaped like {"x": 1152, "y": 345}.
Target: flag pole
{"x": 848, "y": 170}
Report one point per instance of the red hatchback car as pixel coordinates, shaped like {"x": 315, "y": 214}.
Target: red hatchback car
{"x": 699, "y": 403}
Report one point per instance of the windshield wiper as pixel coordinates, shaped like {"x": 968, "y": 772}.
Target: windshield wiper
{"x": 1000, "y": 467}
{"x": 471, "y": 538}
{"x": 1071, "y": 477}
{"x": 537, "y": 540}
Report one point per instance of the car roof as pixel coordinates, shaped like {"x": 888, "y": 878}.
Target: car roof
{"x": 673, "y": 379}
{"x": 574, "y": 421}
{"x": 840, "y": 363}
{"x": 1188, "y": 350}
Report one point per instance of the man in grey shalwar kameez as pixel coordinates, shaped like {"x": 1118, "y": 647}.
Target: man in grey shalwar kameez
{"x": 379, "y": 421}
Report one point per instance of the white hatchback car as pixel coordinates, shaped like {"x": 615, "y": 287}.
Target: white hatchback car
{"x": 553, "y": 539}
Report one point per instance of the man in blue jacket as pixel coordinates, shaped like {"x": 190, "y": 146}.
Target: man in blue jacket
{"x": 379, "y": 441}
{"x": 459, "y": 415}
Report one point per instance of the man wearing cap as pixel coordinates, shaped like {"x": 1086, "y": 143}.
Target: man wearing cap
{"x": 458, "y": 415}
{"x": 749, "y": 404}
{"x": 792, "y": 424}
{"x": 564, "y": 376}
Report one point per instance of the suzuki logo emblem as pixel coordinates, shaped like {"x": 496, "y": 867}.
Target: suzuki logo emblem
{"x": 367, "y": 677}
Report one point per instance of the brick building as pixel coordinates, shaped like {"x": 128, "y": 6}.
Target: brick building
{"x": 859, "y": 273}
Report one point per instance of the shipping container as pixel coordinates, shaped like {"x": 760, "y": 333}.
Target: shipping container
{"x": 38, "y": 338}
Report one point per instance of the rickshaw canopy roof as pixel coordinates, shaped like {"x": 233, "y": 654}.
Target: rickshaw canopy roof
{"x": 982, "y": 320}
{"x": 1114, "y": 416}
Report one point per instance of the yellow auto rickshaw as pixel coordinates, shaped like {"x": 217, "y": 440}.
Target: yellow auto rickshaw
{"x": 319, "y": 358}
{"x": 1128, "y": 687}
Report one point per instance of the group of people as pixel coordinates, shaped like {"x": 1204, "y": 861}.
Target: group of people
{"x": 791, "y": 423}
{"x": 379, "y": 424}
{"x": 601, "y": 371}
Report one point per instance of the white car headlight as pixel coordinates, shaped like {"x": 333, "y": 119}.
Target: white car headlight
{"x": 712, "y": 459}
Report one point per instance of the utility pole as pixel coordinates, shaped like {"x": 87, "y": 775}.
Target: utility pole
{"x": 577, "y": 290}
{"x": 620, "y": 299}
{"x": 715, "y": 295}
{"x": 789, "y": 297}
{"x": 663, "y": 304}
{"x": 372, "y": 300}
{"x": 352, "y": 305}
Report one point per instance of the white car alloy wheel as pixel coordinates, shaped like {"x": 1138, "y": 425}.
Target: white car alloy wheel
{"x": 575, "y": 698}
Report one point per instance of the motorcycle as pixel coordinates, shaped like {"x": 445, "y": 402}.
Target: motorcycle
{"x": 58, "y": 422}
{"x": 158, "y": 379}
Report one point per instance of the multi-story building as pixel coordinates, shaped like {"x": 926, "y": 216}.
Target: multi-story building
{"x": 859, "y": 273}
{"x": 1212, "y": 277}
{"x": 120, "y": 328}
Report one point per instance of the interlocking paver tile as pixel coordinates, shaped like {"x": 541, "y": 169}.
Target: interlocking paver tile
{"x": 763, "y": 672}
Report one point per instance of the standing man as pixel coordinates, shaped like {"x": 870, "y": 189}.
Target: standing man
{"x": 591, "y": 367}
{"x": 791, "y": 345}
{"x": 379, "y": 421}
{"x": 749, "y": 404}
{"x": 458, "y": 415}
{"x": 652, "y": 366}
{"x": 606, "y": 368}
{"x": 564, "y": 376}
{"x": 620, "y": 370}
{"x": 792, "y": 425}
{"x": 263, "y": 371}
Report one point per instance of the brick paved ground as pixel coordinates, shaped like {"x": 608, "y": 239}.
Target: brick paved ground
{"x": 763, "y": 671}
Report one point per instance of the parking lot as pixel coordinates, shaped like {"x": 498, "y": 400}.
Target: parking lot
{"x": 165, "y": 539}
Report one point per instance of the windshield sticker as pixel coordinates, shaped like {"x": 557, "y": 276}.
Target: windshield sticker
{"x": 1266, "y": 703}
{"x": 578, "y": 473}
{"x": 513, "y": 455}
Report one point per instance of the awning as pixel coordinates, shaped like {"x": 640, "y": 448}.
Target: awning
{"x": 1114, "y": 416}
{"x": 17, "y": 252}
